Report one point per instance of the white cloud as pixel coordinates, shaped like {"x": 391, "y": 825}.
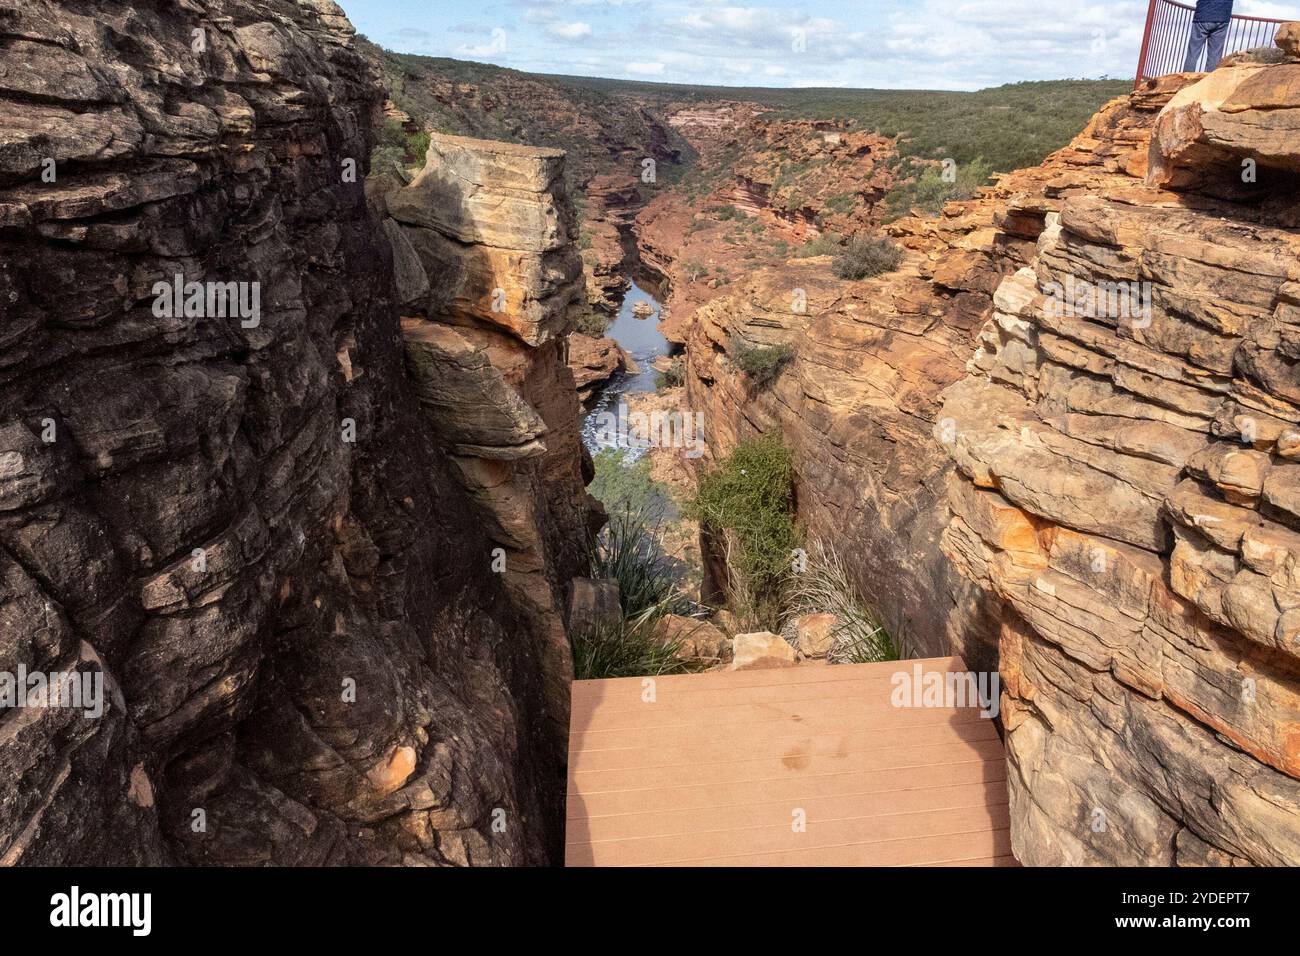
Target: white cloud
{"x": 1271, "y": 11}
{"x": 953, "y": 44}
{"x": 569, "y": 31}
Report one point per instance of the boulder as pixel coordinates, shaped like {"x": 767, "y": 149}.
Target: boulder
{"x": 815, "y": 633}
{"x": 698, "y": 640}
{"x": 726, "y": 621}
{"x": 761, "y": 650}
{"x": 1288, "y": 39}
{"x": 595, "y": 361}
{"x": 1242, "y": 112}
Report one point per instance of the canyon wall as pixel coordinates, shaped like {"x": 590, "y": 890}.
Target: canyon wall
{"x": 1125, "y": 449}
{"x": 858, "y": 402}
{"x": 1101, "y": 511}
{"x": 267, "y": 530}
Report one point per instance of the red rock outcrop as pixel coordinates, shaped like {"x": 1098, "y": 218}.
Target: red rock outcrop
{"x": 594, "y": 362}
{"x": 858, "y": 402}
{"x": 1125, "y": 449}
{"x": 1097, "y": 508}
{"x": 494, "y": 288}
{"x": 250, "y": 524}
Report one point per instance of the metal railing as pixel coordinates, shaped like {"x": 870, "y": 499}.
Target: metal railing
{"x": 1169, "y": 27}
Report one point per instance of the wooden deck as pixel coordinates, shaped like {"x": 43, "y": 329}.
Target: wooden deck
{"x": 719, "y": 768}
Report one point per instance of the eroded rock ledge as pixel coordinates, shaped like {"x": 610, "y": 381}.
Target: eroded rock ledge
{"x": 269, "y": 538}
{"x": 1125, "y": 488}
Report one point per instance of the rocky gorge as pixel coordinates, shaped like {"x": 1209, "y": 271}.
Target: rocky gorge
{"x": 326, "y": 553}
{"x": 1092, "y": 504}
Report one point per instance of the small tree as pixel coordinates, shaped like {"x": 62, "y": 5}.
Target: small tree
{"x": 865, "y": 257}
{"x": 762, "y": 364}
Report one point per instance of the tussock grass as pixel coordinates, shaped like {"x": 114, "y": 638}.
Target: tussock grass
{"x": 625, "y": 650}
{"x": 628, "y": 551}
{"x": 824, "y": 586}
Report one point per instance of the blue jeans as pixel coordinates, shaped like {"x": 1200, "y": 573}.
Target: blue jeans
{"x": 1209, "y": 37}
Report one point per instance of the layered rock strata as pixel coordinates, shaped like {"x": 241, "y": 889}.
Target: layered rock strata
{"x": 252, "y": 522}
{"x": 858, "y": 403}
{"x": 489, "y": 237}
{"x": 1126, "y": 449}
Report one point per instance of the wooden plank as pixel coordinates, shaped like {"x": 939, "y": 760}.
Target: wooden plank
{"x": 717, "y": 768}
{"x": 783, "y": 837}
{"x": 848, "y": 709}
{"x": 754, "y": 743}
{"x": 666, "y": 820}
{"x": 876, "y": 690}
{"x": 596, "y": 735}
{"x": 794, "y": 762}
{"x": 801, "y": 788}
{"x": 941, "y": 850}
{"x": 784, "y": 676}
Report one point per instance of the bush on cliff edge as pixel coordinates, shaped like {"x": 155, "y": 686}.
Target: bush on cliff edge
{"x": 746, "y": 506}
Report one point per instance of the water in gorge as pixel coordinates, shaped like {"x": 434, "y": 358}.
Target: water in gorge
{"x": 642, "y": 340}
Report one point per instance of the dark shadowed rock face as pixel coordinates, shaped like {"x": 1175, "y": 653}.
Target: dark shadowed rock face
{"x": 245, "y": 523}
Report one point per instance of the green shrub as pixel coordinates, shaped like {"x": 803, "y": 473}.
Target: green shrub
{"x": 417, "y": 147}
{"x": 672, "y": 377}
{"x": 865, "y": 257}
{"x": 626, "y": 486}
{"x": 695, "y": 271}
{"x": 398, "y": 148}
{"x": 928, "y": 190}
{"x": 763, "y": 364}
{"x": 746, "y": 507}
{"x": 826, "y": 244}
{"x": 624, "y": 650}
{"x": 592, "y": 322}
{"x": 843, "y": 203}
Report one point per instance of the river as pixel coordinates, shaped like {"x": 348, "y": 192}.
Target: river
{"x": 641, "y": 339}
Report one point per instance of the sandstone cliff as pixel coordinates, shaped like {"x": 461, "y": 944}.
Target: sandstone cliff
{"x": 858, "y": 402}
{"x": 1080, "y": 509}
{"x": 273, "y": 534}
{"x": 1125, "y": 466}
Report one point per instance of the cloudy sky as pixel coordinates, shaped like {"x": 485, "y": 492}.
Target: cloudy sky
{"x": 931, "y": 44}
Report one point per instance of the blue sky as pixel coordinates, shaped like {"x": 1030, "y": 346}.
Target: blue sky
{"x": 933, "y": 44}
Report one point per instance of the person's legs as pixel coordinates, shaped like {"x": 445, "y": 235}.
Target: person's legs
{"x": 1218, "y": 36}
{"x": 1195, "y": 45}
